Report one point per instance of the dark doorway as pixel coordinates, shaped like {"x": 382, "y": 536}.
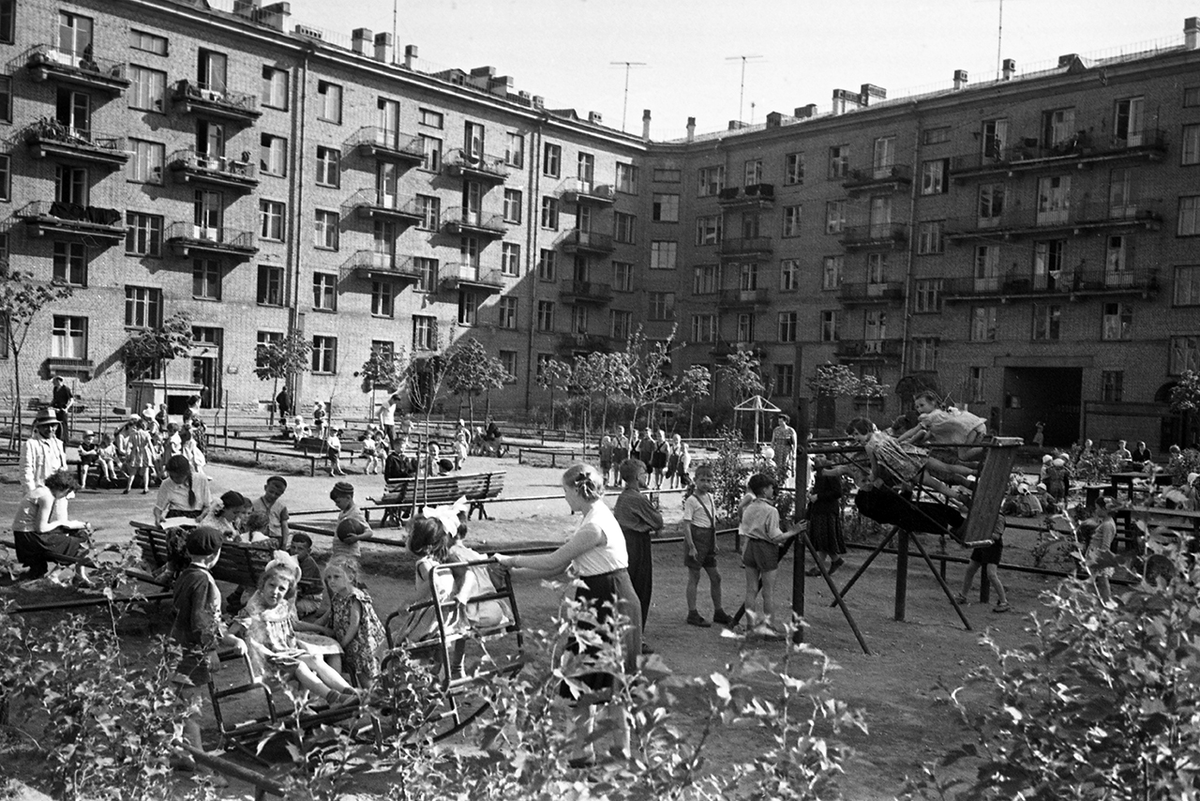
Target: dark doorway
{"x": 1051, "y": 395}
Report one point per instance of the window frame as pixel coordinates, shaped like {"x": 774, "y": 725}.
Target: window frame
{"x": 324, "y": 289}
{"x": 203, "y": 278}
{"x": 329, "y": 163}
{"x": 323, "y": 91}
{"x": 324, "y": 354}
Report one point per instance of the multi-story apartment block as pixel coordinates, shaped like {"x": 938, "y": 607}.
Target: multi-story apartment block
{"x": 1026, "y": 244}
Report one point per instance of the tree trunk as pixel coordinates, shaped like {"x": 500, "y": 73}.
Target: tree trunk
{"x": 271, "y": 405}
{"x": 15, "y": 438}
{"x": 551, "y": 408}
{"x": 604, "y": 414}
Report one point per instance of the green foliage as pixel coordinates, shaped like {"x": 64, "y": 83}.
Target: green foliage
{"x": 21, "y": 299}
{"x": 840, "y": 381}
{"x": 384, "y": 371}
{"x": 281, "y": 360}
{"x": 1188, "y": 461}
{"x": 1185, "y": 396}
{"x": 148, "y": 350}
{"x": 742, "y": 373}
{"x": 1092, "y": 465}
{"x": 731, "y": 468}
{"x": 471, "y": 370}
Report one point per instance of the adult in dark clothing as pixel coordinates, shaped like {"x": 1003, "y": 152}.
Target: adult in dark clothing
{"x": 283, "y": 403}
{"x": 825, "y": 516}
{"x": 639, "y": 519}
{"x": 1141, "y": 454}
{"x": 60, "y": 401}
{"x": 645, "y": 449}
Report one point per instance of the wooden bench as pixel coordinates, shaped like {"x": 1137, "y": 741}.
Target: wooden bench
{"x": 434, "y": 490}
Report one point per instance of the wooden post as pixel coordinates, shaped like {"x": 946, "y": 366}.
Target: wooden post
{"x": 901, "y": 574}
{"x": 798, "y": 584}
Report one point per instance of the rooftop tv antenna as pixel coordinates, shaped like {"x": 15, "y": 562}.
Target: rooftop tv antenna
{"x": 999, "y": 39}
{"x": 625, "y": 104}
{"x": 742, "y": 88}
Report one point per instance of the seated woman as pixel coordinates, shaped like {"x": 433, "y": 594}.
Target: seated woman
{"x": 42, "y": 529}
{"x": 183, "y": 494}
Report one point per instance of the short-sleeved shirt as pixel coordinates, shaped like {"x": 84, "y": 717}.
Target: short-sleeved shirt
{"x": 349, "y": 549}
{"x": 952, "y": 426}
{"x": 700, "y": 511}
{"x": 634, "y": 512}
{"x": 274, "y": 514}
{"x": 760, "y": 521}
{"x": 605, "y": 558}
{"x": 175, "y": 496}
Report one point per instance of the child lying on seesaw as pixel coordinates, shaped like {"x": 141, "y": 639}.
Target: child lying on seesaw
{"x": 893, "y": 462}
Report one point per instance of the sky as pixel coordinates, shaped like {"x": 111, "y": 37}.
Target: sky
{"x": 796, "y": 51}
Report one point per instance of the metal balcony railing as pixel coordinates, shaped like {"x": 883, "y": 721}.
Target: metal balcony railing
{"x": 47, "y": 216}
{"x": 1032, "y": 152}
{"x": 1063, "y": 215}
{"x": 463, "y": 220}
{"x": 76, "y": 66}
{"x": 48, "y": 137}
{"x": 746, "y": 246}
{"x": 1058, "y": 282}
{"x": 370, "y": 262}
{"x": 482, "y": 166}
{"x": 203, "y": 237}
{"x": 868, "y": 349}
{"x": 387, "y": 143}
{"x": 369, "y": 203}
{"x": 871, "y": 292}
{"x": 217, "y": 100}
{"x": 575, "y": 190}
{"x": 892, "y": 174}
{"x": 221, "y": 169}
{"x": 589, "y": 241}
{"x": 729, "y": 298}
{"x": 889, "y": 233}
{"x": 587, "y": 290}
{"x": 759, "y": 193}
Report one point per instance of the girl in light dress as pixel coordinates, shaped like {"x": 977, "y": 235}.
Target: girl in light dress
{"x": 893, "y": 461}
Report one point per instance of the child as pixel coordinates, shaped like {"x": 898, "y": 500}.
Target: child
{"x": 673, "y": 460}
{"x": 1057, "y": 480}
{"x": 987, "y": 557}
{"x": 370, "y": 452}
{"x": 638, "y": 520}
{"x": 683, "y": 469}
{"x": 606, "y": 456}
{"x": 355, "y": 528}
{"x": 89, "y": 454}
{"x": 660, "y": 457}
{"x": 894, "y": 461}
{"x": 227, "y": 515}
{"x": 700, "y": 549}
{"x": 355, "y": 624}
{"x": 462, "y": 444}
{"x": 310, "y": 594}
{"x": 620, "y": 454}
{"x": 140, "y": 457}
{"x": 275, "y": 510}
{"x": 1101, "y": 543}
{"x": 825, "y": 516}
{"x": 107, "y": 459}
{"x": 182, "y": 494}
{"x": 760, "y": 528}
{"x": 42, "y": 527}
{"x": 333, "y": 451}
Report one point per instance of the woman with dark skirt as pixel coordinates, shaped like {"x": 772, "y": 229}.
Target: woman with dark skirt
{"x": 825, "y": 517}
{"x": 42, "y": 530}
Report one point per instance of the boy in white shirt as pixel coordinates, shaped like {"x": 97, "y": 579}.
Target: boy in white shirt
{"x": 700, "y": 538}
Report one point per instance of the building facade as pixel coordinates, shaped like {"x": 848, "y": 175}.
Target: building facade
{"x": 1026, "y": 245}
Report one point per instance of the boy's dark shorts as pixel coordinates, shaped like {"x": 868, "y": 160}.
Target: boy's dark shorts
{"x": 605, "y": 465}
{"x": 705, "y": 540}
{"x": 988, "y": 554}
{"x": 760, "y": 555}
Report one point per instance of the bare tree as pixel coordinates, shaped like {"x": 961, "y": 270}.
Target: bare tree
{"x": 694, "y": 383}
{"x": 650, "y": 381}
{"x": 21, "y": 300}
{"x": 149, "y": 350}
{"x": 281, "y": 361}
{"x": 554, "y": 374}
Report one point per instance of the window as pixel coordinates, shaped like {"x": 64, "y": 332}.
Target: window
{"x": 148, "y": 88}
{"x": 1191, "y": 144}
{"x": 789, "y": 275}
{"x": 514, "y": 150}
{"x": 543, "y": 362}
{"x": 324, "y": 291}
{"x": 839, "y": 162}
{"x": 508, "y": 360}
{"x": 626, "y": 178}
{"x": 831, "y": 272}
{"x": 1187, "y": 286}
{"x": 424, "y": 332}
{"x": 877, "y": 268}
{"x": 1116, "y": 321}
{"x": 704, "y": 279}
{"x": 930, "y": 239}
{"x": 473, "y": 137}
{"x": 983, "y": 324}
{"x": 987, "y": 268}
{"x": 662, "y": 255}
{"x": 704, "y": 328}
{"x": 510, "y": 258}
{"x": 383, "y": 299}
{"x": 975, "y": 384}
{"x": 1054, "y": 199}
{"x": 512, "y": 206}
{"x": 431, "y": 118}
{"x": 431, "y": 147}
{"x": 835, "y": 216}
{"x": 271, "y": 215}
{"x": 933, "y": 177}
{"x": 622, "y": 324}
{"x": 622, "y": 272}
{"x": 793, "y": 169}
{"x": 427, "y": 270}
{"x": 1127, "y": 120}
{"x": 1112, "y": 386}
{"x": 1058, "y": 126}
{"x": 785, "y": 379}
{"x": 143, "y": 234}
{"x": 883, "y": 156}
{"x": 1047, "y": 318}
{"x": 552, "y": 160}
{"x": 752, "y": 173}
{"x": 206, "y": 279}
{"x": 624, "y": 227}
{"x": 143, "y": 307}
{"x": 993, "y": 138}
{"x": 667, "y": 175}
{"x": 506, "y": 308}
{"x": 1189, "y": 216}
{"x": 329, "y": 160}
{"x": 991, "y": 204}
{"x": 924, "y": 353}
{"x": 829, "y": 326}
{"x": 71, "y": 185}
{"x": 270, "y": 285}
{"x": 146, "y": 166}
{"x": 5, "y": 177}
{"x": 1191, "y": 96}
{"x": 928, "y": 298}
{"x": 430, "y": 209}
{"x": 147, "y": 42}
{"x": 787, "y": 326}
{"x": 545, "y": 315}
{"x": 324, "y": 354}
{"x": 711, "y": 180}
{"x": 747, "y": 276}
{"x": 329, "y": 102}
{"x": 69, "y": 337}
{"x": 274, "y": 87}
{"x": 666, "y": 208}
{"x": 7, "y": 10}
{"x": 5, "y": 98}
{"x": 325, "y": 230}
{"x": 935, "y": 136}
{"x": 791, "y": 220}
{"x": 1184, "y": 355}
{"x": 708, "y": 230}
{"x": 273, "y": 155}
{"x": 744, "y": 331}
{"x": 547, "y": 262}
{"x": 70, "y": 263}
{"x": 662, "y": 305}
{"x": 550, "y": 213}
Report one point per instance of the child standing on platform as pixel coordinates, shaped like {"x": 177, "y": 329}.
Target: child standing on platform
{"x": 333, "y": 451}
{"x": 760, "y": 528}
{"x": 700, "y": 549}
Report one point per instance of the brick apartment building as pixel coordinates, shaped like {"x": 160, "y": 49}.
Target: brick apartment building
{"x": 1027, "y": 244}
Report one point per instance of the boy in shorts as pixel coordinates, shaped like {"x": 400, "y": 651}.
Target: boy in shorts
{"x": 760, "y": 528}
{"x": 987, "y": 557}
{"x": 700, "y": 548}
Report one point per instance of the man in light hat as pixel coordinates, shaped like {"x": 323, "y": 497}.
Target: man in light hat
{"x": 42, "y": 454}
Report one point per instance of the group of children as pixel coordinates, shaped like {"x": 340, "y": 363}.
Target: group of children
{"x": 140, "y": 449}
{"x": 662, "y": 458}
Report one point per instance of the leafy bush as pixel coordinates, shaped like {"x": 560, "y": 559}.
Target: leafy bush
{"x": 1092, "y": 465}
{"x": 731, "y": 468}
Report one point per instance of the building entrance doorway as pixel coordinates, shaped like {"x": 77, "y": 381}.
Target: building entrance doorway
{"x": 1051, "y": 395}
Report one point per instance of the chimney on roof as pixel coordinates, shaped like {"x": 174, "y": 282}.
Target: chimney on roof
{"x": 646, "y": 125}
{"x": 539, "y": 101}
{"x": 960, "y": 79}
{"x": 1067, "y": 59}
{"x": 774, "y": 119}
{"x": 360, "y": 40}
{"x": 869, "y": 92}
{"x": 804, "y": 112}
{"x": 691, "y": 129}
{"x": 1009, "y": 69}
{"x": 1191, "y": 31}
{"x": 595, "y": 117}
{"x": 383, "y": 47}
{"x": 844, "y": 100}
{"x": 410, "y": 56}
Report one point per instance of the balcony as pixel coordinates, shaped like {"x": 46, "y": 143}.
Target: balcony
{"x": 723, "y": 348}
{"x": 747, "y": 246}
{"x": 758, "y": 195}
{"x": 51, "y": 217}
{"x": 586, "y": 292}
{"x": 47, "y": 62}
{"x": 586, "y": 242}
{"x": 187, "y": 238}
{"x": 585, "y": 343}
{"x": 470, "y": 276}
{"x": 52, "y": 139}
{"x": 476, "y": 167}
{"x": 1068, "y": 284}
{"x": 876, "y": 235}
{"x": 1070, "y": 218}
{"x": 201, "y": 168}
{"x": 222, "y": 103}
{"x": 369, "y": 205}
{"x": 387, "y": 145}
{"x": 743, "y": 298}
{"x": 577, "y": 191}
{"x": 871, "y": 292}
{"x": 878, "y": 179}
{"x": 461, "y": 221}
{"x": 1080, "y": 151}
{"x": 868, "y": 350}
{"x": 370, "y": 264}
{"x": 81, "y": 368}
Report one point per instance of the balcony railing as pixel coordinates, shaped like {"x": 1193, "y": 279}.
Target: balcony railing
{"x": 46, "y": 61}
{"x": 51, "y": 138}
{"x": 186, "y": 237}
{"x": 368, "y": 203}
{"x": 372, "y": 264}
{"x": 868, "y": 349}
{"x": 743, "y": 298}
{"x": 587, "y": 291}
{"x": 1066, "y": 283}
{"x": 216, "y": 102}
{"x": 464, "y": 221}
{"x": 189, "y": 166}
{"x": 577, "y": 191}
{"x": 751, "y": 195}
{"x": 1031, "y": 154}
{"x": 97, "y": 223}
{"x": 1076, "y": 217}
{"x": 471, "y": 276}
{"x": 887, "y": 234}
{"x": 893, "y": 176}
{"x": 746, "y": 246}
{"x": 384, "y": 143}
{"x": 586, "y": 242}
{"x": 480, "y": 167}
{"x": 871, "y": 292}
{"x": 585, "y": 343}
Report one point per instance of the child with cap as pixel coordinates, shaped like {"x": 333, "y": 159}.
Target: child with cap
{"x": 352, "y": 526}
{"x": 89, "y": 454}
